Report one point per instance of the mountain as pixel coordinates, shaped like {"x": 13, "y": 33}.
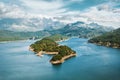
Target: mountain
{"x": 110, "y": 39}
{"x": 82, "y": 29}
{"x": 79, "y": 29}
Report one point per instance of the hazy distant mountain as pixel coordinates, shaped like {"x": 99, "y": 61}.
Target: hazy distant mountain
{"x": 82, "y": 30}
{"x": 78, "y": 28}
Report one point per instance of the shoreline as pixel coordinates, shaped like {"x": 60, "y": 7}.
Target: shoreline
{"x": 13, "y": 41}
{"x": 107, "y": 45}
{"x": 29, "y": 40}
{"x": 44, "y": 52}
{"x": 18, "y": 40}
{"x": 63, "y": 59}
{"x": 53, "y": 53}
{"x": 40, "y": 53}
{"x": 35, "y": 40}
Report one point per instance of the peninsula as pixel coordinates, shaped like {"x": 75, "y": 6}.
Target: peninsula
{"x": 48, "y": 46}
{"x": 110, "y": 39}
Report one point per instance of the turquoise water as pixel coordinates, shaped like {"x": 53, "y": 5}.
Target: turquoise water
{"x": 91, "y": 63}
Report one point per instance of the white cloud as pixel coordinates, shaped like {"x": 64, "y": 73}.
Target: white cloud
{"x": 103, "y": 14}
{"x": 44, "y": 7}
{"x": 11, "y": 11}
{"x": 15, "y": 11}
{"x": 49, "y": 8}
{"x": 22, "y": 28}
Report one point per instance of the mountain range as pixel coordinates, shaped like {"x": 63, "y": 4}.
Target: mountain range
{"x": 82, "y": 29}
{"x": 79, "y": 29}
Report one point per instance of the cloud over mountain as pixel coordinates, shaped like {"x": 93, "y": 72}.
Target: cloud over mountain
{"x": 103, "y": 12}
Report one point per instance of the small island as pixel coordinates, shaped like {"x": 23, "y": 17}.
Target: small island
{"x": 48, "y": 46}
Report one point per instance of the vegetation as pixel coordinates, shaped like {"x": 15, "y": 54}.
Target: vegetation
{"x": 6, "y": 35}
{"x": 45, "y": 44}
{"x": 110, "y": 39}
{"x": 63, "y": 51}
{"x": 57, "y": 37}
{"x": 49, "y": 45}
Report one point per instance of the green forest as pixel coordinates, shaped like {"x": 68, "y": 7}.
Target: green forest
{"x": 111, "y": 39}
{"x": 49, "y": 45}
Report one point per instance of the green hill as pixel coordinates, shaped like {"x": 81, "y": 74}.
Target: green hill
{"x": 58, "y": 37}
{"x": 110, "y": 39}
{"x": 45, "y": 44}
{"x": 49, "y": 46}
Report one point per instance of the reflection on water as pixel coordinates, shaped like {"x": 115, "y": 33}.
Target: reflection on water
{"x": 92, "y": 62}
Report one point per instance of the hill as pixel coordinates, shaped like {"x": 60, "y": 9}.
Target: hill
{"x": 82, "y": 30}
{"x": 48, "y": 46}
{"x": 110, "y": 39}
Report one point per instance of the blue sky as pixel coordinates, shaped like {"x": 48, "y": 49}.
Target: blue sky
{"x": 104, "y": 12}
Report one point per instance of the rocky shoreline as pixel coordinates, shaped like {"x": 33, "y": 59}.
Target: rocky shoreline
{"x": 31, "y": 49}
{"x": 48, "y": 46}
{"x": 107, "y": 44}
{"x": 53, "y": 53}
{"x": 63, "y": 59}
{"x": 43, "y": 52}
{"x": 109, "y": 39}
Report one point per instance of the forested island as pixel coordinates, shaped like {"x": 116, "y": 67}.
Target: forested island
{"x": 48, "y": 46}
{"x": 110, "y": 39}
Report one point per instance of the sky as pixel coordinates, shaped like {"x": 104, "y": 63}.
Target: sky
{"x": 104, "y": 12}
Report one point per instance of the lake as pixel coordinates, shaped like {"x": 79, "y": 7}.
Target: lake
{"x": 91, "y": 63}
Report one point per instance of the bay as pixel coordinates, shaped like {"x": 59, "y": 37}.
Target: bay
{"x": 91, "y": 63}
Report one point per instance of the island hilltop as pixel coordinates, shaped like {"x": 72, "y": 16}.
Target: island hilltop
{"x": 48, "y": 46}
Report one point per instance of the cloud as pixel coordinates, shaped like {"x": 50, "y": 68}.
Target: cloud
{"x": 11, "y": 11}
{"x": 104, "y": 14}
{"x": 22, "y": 27}
{"x": 48, "y": 7}
{"x": 44, "y": 7}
